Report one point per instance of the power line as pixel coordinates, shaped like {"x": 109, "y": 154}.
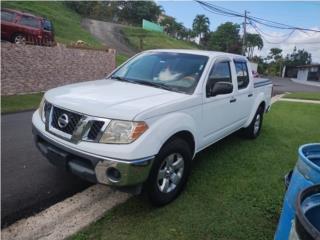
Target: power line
{"x": 260, "y": 33}
{"x": 220, "y": 10}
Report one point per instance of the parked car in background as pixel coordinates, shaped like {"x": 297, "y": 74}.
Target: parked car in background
{"x": 144, "y": 123}
{"x": 21, "y": 28}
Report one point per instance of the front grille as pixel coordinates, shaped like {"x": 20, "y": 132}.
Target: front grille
{"x": 95, "y": 129}
{"x": 89, "y": 127}
{"x": 74, "y": 118}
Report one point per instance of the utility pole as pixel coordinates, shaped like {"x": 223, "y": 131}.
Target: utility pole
{"x": 244, "y": 43}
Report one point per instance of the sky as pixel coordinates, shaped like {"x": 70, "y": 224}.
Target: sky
{"x": 299, "y": 14}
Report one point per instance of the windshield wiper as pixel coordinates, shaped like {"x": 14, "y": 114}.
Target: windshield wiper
{"x": 153, "y": 84}
{"x": 119, "y": 78}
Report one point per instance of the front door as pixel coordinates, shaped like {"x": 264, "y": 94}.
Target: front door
{"x": 219, "y": 117}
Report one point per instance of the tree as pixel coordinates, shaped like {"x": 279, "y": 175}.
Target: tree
{"x": 226, "y": 38}
{"x": 298, "y": 57}
{"x": 200, "y": 25}
{"x": 253, "y": 41}
{"x": 274, "y": 54}
{"x": 275, "y": 61}
{"x": 135, "y": 11}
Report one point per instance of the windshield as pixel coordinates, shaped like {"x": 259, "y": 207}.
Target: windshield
{"x": 178, "y": 72}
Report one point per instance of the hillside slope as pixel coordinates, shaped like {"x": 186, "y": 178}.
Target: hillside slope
{"x": 152, "y": 40}
{"x": 66, "y": 22}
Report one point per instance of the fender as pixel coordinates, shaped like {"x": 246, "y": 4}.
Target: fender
{"x": 162, "y": 129}
{"x": 258, "y": 100}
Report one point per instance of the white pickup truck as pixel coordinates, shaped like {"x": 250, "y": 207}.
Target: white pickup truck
{"x": 144, "y": 123}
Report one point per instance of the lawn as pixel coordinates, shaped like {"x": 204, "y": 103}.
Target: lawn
{"x": 304, "y": 95}
{"x": 17, "y": 103}
{"x": 235, "y": 190}
{"x": 120, "y": 58}
{"x": 65, "y": 21}
{"x": 152, "y": 40}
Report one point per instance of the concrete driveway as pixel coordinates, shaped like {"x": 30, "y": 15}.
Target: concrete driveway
{"x": 282, "y": 85}
{"x": 109, "y": 34}
{"x": 29, "y": 183}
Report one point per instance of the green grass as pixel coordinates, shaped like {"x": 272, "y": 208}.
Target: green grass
{"x": 304, "y": 95}
{"x": 66, "y": 22}
{"x": 235, "y": 190}
{"x": 17, "y": 103}
{"x": 121, "y": 59}
{"x": 153, "y": 40}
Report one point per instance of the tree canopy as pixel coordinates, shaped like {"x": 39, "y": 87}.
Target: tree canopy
{"x": 226, "y": 38}
{"x": 253, "y": 41}
{"x": 200, "y": 25}
{"x": 298, "y": 57}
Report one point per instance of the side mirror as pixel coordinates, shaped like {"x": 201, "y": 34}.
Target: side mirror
{"x": 219, "y": 88}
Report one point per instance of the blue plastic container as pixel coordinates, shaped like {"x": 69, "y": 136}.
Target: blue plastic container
{"x": 305, "y": 174}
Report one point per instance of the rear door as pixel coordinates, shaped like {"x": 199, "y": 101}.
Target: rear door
{"x": 244, "y": 90}
{"x": 219, "y": 117}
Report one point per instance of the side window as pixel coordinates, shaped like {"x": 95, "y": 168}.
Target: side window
{"x": 220, "y": 72}
{"x": 30, "y": 21}
{"x": 242, "y": 74}
{"x": 7, "y": 16}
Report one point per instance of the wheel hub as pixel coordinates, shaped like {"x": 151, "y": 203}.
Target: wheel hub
{"x": 170, "y": 172}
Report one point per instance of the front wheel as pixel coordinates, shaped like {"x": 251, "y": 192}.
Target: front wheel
{"x": 19, "y": 39}
{"x": 169, "y": 172}
{"x": 254, "y": 129}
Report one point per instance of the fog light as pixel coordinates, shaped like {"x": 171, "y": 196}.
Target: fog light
{"x": 113, "y": 174}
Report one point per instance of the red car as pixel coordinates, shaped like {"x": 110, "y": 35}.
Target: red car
{"x": 20, "y": 27}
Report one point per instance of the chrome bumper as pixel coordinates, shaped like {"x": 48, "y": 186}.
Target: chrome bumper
{"x": 94, "y": 168}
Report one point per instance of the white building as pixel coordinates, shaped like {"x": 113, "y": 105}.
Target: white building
{"x": 310, "y": 72}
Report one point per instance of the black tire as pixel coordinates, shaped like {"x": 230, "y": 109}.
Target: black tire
{"x": 175, "y": 147}
{"x": 251, "y": 131}
{"x": 18, "y": 35}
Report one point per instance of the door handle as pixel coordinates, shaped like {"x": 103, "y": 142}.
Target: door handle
{"x": 233, "y": 100}
{"x": 250, "y": 95}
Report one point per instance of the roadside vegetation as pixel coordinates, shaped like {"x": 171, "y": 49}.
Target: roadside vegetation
{"x": 141, "y": 39}
{"x": 235, "y": 190}
{"x": 304, "y": 95}
{"x": 17, "y": 103}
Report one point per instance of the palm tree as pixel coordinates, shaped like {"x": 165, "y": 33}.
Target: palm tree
{"x": 253, "y": 41}
{"x": 200, "y": 25}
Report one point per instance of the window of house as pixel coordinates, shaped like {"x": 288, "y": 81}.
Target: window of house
{"x": 242, "y": 74}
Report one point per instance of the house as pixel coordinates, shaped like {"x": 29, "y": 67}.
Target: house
{"x": 310, "y": 72}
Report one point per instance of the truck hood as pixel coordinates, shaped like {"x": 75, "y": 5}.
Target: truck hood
{"x": 110, "y": 98}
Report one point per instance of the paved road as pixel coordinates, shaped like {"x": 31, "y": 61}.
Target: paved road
{"x": 28, "y": 182}
{"x": 282, "y": 85}
{"x": 109, "y": 34}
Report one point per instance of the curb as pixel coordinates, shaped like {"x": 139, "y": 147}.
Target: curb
{"x": 67, "y": 217}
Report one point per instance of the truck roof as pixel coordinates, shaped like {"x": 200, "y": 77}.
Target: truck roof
{"x": 199, "y": 52}
{"x": 21, "y": 13}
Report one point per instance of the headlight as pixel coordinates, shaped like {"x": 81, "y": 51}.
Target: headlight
{"x": 41, "y": 110}
{"x": 123, "y": 132}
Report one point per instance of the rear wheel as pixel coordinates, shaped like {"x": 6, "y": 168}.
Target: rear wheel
{"x": 169, "y": 172}
{"x": 254, "y": 129}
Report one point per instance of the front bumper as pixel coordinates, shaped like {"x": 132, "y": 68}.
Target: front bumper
{"x": 92, "y": 167}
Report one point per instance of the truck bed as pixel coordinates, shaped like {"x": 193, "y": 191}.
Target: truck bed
{"x": 259, "y": 82}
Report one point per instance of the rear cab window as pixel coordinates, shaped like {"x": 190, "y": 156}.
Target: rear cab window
{"x": 30, "y": 21}
{"x": 242, "y": 74}
{"x": 7, "y": 16}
